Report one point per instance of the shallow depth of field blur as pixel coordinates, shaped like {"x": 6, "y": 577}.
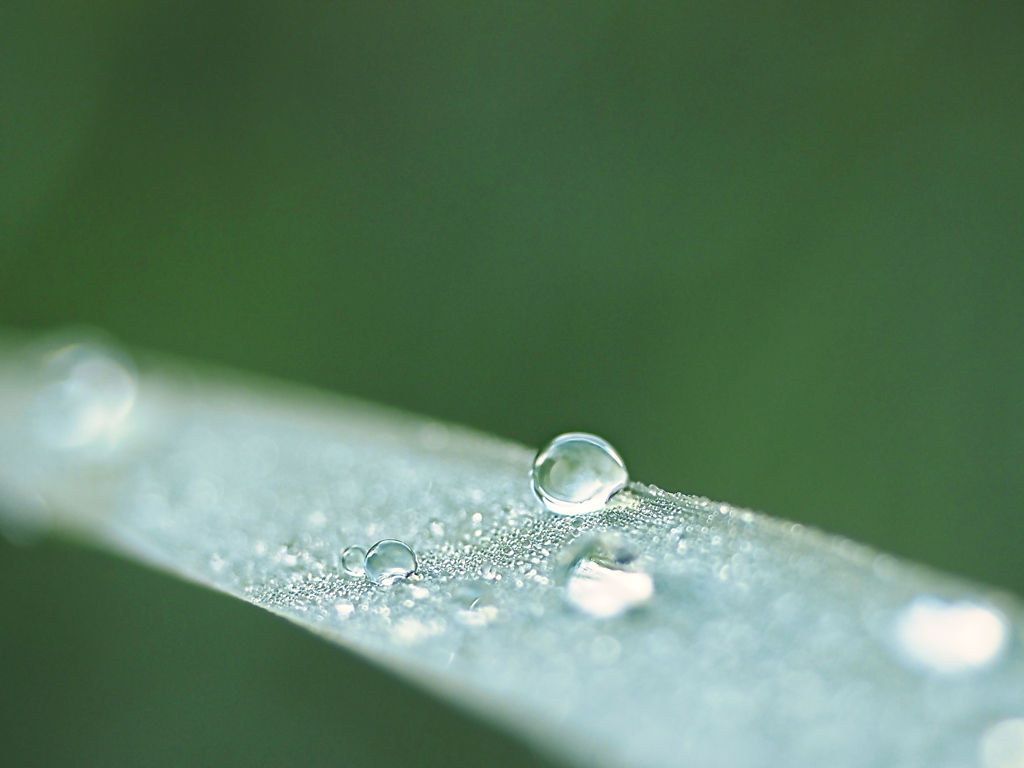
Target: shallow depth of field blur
{"x": 773, "y": 252}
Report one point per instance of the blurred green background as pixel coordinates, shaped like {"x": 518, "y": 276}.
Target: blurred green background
{"x": 774, "y": 252}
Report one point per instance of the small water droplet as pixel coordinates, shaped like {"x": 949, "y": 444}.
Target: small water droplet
{"x": 388, "y": 561}
{"x": 577, "y": 473}
{"x": 1002, "y": 745}
{"x": 352, "y": 560}
{"x": 950, "y": 637}
{"x": 90, "y": 394}
{"x": 607, "y": 592}
{"x": 598, "y": 581}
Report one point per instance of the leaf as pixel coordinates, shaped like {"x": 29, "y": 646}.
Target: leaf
{"x": 721, "y": 637}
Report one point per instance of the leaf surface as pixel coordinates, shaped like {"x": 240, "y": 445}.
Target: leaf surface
{"x": 725, "y": 638}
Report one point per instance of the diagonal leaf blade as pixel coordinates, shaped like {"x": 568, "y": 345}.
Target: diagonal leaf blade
{"x": 762, "y": 643}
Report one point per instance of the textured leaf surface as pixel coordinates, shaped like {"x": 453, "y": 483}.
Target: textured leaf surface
{"x": 762, "y": 644}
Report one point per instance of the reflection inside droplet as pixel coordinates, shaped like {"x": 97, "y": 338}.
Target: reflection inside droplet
{"x": 352, "y": 560}
{"x": 950, "y": 637}
{"x": 1002, "y": 745}
{"x": 577, "y": 473}
{"x": 90, "y": 394}
{"x": 388, "y": 561}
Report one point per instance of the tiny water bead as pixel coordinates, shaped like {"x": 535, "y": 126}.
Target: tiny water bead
{"x": 948, "y": 638}
{"x": 577, "y": 473}
{"x": 352, "y": 560}
{"x": 388, "y": 561}
{"x": 90, "y": 393}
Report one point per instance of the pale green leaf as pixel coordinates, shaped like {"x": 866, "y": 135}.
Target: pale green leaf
{"x": 762, "y": 643}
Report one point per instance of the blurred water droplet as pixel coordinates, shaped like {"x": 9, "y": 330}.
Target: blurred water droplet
{"x": 577, "y": 473}
{"x": 1002, "y": 745}
{"x": 352, "y": 560}
{"x": 606, "y": 592}
{"x": 598, "y": 581}
{"x": 388, "y": 561}
{"x": 90, "y": 393}
{"x": 950, "y": 637}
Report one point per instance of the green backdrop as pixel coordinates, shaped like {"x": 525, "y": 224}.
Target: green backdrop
{"x": 774, "y": 252}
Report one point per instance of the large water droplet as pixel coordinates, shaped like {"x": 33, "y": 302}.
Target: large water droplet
{"x": 577, "y": 473}
{"x": 950, "y": 637}
{"x": 598, "y": 579}
{"x": 352, "y": 560}
{"x": 1002, "y": 745}
{"x": 388, "y": 561}
{"x": 90, "y": 394}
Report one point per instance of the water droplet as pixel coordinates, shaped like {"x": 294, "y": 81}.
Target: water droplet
{"x": 577, "y": 473}
{"x": 606, "y": 592}
{"x": 352, "y": 560}
{"x": 950, "y": 637}
{"x": 388, "y": 561}
{"x": 90, "y": 394}
{"x": 1002, "y": 745}
{"x": 598, "y": 581}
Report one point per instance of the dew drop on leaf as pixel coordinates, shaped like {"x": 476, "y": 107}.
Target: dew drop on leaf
{"x": 388, "y": 561}
{"x": 352, "y": 560}
{"x": 598, "y": 579}
{"x": 89, "y": 394}
{"x": 577, "y": 473}
{"x": 604, "y": 592}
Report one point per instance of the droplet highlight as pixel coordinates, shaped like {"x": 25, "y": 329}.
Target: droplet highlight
{"x": 352, "y": 560}
{"x": 388, "y": 561}
{"x": 949, "y": 638}
{"x": 88, "y": 398}
{"x": 1002, "y": 745}
{"x": 577, "y": 474}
